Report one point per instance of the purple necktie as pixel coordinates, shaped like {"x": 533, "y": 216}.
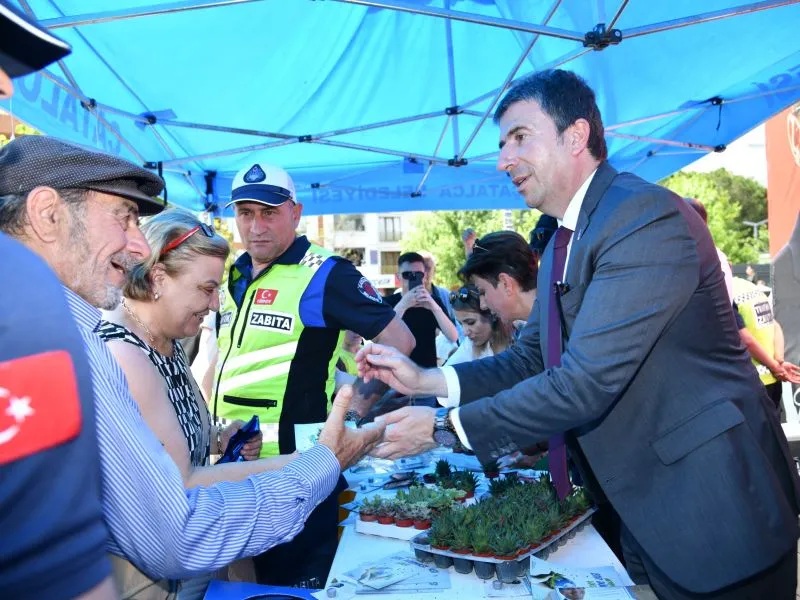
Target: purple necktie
{"x": 558, "y": 451}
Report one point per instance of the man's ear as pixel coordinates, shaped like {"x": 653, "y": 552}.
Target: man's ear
{"x": 48, "y": 215}
{"x": 508, "y": 284}
{"x": 297, "y": 212}
{"x": 578, "y": 136}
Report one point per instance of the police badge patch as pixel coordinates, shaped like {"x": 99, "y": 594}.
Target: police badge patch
{"x": 255, "y": 174}
{"x": 368, "y": 291}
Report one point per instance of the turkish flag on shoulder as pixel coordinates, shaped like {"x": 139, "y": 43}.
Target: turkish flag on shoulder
{"x": 39, "y": 404}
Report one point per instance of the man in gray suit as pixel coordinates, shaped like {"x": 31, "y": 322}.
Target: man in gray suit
{"x": 660, "y": 405}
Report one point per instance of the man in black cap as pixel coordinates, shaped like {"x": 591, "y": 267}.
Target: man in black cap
{"x": 54, "y": 538}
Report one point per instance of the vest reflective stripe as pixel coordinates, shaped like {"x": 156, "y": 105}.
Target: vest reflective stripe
{"x": 756, "y": 312}
{"x": 251, "y": 358}
{"x": 258, "y": 344}
{"x": 245, "y": 379}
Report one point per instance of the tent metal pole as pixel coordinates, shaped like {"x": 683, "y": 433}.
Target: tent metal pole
{"x": 790, "y": 88}
{"x": 378, "y": 125}
{"x": 473, "y": 159}
{"x": 133, "y": 13}
{"x": 435, "y": 151}
{"x": 577, "y": 53}
{"x": 288, "y": 136}
{"x": 81, "y": 98}
{"x": 185, "y": 159}
{"x": 380, "y": 150}
{"x": 163, "y": 143}
{"x": 673, "y": 113}
{"x": 616, "y": 16}
{"x": 508, "y": 79}
{"x": 705, "y": 17}
{"x": 470, "y": 18}
{"x": 222, "y": 129}
{"x": 451, "y": 72}
{"x": 473, "y": 113}
{"x": 642, "y": 138}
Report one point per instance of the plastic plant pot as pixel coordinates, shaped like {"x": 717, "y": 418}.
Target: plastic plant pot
{"x": 386, "y": 520}
{"x": 442, "y": 561}
{"x": 462, "y": 565}
{"x": 404, "y": 522}
{"x": 368, "y": 518}
{"x": 422, "y": 524}
{"x": 484, "y": 570}
{"x": 423, "y": 556}
{"x": 507, "y": 571}
{"x": 523, "y": 566}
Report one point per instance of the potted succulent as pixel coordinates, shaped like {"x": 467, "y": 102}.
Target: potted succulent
{"x": 421, "y": 514}
{"x": 491, "y": 469}
{"x": 504, "y": 544}
{"x": 440, "y": 537}
{"x": 467, "y": 481}
{"x": 534, "y": 529}
{"x": 386, "y": 512}
{"x": 461, "y": 545}
{"x": 479, "y": 541}
{"x": 442, "y": 469}
{"x": 368, "y": 511}
{"x": 403, "y": 515}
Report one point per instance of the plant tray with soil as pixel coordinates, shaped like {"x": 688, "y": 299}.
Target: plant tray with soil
{"x": 500, "y": 534}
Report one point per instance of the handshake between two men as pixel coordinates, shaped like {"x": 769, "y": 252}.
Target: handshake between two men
{"x": 403, "y": 432}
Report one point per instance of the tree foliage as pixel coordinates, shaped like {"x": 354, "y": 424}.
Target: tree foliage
{"x": 729, "y": 200}
{"x": 440, "y": 234}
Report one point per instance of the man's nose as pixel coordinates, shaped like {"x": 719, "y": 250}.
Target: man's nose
{"x": 137, "y": 244}
{"x": 506, "y": 160}
{"x": 483, "y": 303}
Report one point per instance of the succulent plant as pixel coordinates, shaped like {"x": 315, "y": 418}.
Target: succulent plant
{"x": 505, "y": 542}
{"x": 442, "y": 469}
{"x": 491, "y": 467}
{"x": 479, "y": 538}
{"x": 371, "y": 507}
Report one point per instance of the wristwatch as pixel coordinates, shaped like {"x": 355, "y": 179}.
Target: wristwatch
{"x": 444, "y": 433}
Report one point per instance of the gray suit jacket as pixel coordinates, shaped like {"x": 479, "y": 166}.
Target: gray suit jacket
{"x": 660, "y": 401}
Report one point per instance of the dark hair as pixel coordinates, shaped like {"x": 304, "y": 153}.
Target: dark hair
{"x": 546, "y": 226}
{"x": 411, "y": 257}
{"x": 698, "y": 207}
{"x": 565, "y": 97}
{"x": 502, "y": 252}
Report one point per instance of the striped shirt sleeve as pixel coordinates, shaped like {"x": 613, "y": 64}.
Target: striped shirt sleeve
{"x": 170, "y": 532}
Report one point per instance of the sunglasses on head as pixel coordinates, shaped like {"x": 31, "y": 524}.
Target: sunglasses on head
{"x": 476, "y": 247}
{"x": 464, "y": 294}
{"x": 207, "y": 230}
{"x": 409, "y": 275}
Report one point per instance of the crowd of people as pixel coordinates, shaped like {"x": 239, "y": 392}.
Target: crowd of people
{"x": 581, "y": 341}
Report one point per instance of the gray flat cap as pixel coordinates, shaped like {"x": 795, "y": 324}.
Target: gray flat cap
{"x": 36, "y": 160}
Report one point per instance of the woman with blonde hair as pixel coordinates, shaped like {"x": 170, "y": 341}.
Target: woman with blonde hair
{"x": 165, "y": 299}
{"x": 484, "y": 333}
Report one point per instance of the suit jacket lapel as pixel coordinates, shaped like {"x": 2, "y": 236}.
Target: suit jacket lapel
{"x": 601, "y": 182}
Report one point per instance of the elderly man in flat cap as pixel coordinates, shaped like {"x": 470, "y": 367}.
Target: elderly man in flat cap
{"x": 54, "y": 539}
{"x": 79, "y": 210}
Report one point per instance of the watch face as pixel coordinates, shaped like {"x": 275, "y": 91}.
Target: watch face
{"x": 444, "y": 438}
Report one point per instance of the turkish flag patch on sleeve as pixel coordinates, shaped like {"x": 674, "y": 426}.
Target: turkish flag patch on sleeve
{"x": 39, "y": 404}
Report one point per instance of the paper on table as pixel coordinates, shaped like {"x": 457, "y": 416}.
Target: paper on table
{"x": 378, "y": 574}
{"x": 558, "y": 576}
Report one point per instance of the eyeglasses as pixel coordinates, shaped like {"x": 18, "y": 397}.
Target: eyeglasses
{"x": 409, "y": 275}
{"x": 464, "y": 294}
{"x": 207, "y": 230}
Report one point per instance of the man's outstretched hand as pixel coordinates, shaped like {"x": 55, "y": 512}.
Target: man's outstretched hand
{"x": 348, "y": 444}
{"x": 409, "y": 432}
{"x": 390, "y": 366}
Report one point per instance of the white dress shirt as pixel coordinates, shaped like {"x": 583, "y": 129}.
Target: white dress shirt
{"x": 570, "y": 221}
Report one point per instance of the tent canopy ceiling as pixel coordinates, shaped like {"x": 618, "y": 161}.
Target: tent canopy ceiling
{"x": 386, "y": 105}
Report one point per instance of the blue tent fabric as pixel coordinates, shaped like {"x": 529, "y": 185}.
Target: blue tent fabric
{"x": 305, "y": 84}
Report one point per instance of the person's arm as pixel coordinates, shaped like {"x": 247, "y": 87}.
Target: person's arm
{"x": 446, "y": 326}
{"x": 149, "y": 390}
{"x": 654, "y": 259}
{"x": 171, "y": 532}
{"x": 778, "y": 344}
{"x": 757, "y": 351}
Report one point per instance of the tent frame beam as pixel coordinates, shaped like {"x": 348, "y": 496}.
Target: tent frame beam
{"x": 508, "y": 79}
{"x": 108, "y": 16}
{"x": 466, "y": 17}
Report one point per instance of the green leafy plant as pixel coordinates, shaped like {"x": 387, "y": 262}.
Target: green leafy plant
{"x": 505, "y": 542}
{"x": 442, "y": 469}
{"x": 479, "y": 538}
{"x": 371, "y": 507}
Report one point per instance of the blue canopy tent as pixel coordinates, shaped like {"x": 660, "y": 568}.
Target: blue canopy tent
{"x": 386, "y": 105}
